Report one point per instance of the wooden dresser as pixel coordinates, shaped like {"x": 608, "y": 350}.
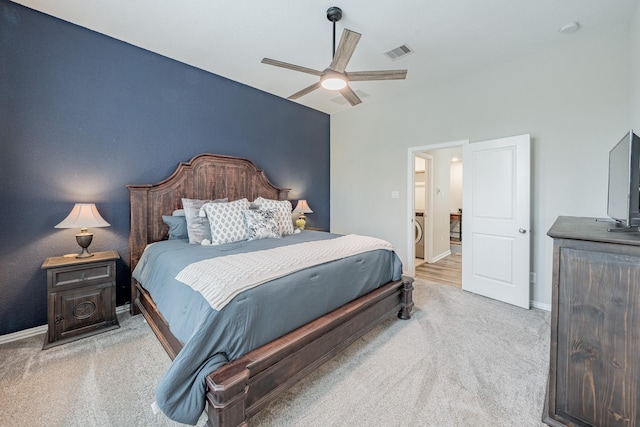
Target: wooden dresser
{"x": 594, "y": 371}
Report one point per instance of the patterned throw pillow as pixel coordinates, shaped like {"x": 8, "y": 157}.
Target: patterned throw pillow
{"x": 227, "y": 221}
{"x": 198, "y": 227}
{"x": 283, "y": 213}
{"x": 261, "y": 224}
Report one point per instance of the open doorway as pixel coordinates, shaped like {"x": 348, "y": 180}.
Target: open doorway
{"x": 436, "y": 212}
{"x": 495, "y": 227}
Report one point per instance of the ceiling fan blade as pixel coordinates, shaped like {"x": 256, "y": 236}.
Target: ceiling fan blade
{"x": 359, "y": 76}
{"x": 350, "y": 96}
{"x": 305, "y": 91}
{"x": 347, "y": 45}
{"x": 291, "y": 66}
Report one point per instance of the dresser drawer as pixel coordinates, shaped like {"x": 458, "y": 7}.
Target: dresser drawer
{"x": 68, "y": 276}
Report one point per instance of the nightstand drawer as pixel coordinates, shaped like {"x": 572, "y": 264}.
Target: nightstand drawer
{"x": 103, "y": 272}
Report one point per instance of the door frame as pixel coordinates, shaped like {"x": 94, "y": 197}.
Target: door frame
{"x": 412, "y": 152}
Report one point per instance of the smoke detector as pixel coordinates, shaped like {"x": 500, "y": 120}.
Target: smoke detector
{"x": 569, "y": 28}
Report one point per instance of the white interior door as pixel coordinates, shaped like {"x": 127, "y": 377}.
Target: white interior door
{"x": 496, "y": 217}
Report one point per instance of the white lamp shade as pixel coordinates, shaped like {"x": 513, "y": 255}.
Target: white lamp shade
{"x": 83, "y": 215}
{"x": 302, "y": 207}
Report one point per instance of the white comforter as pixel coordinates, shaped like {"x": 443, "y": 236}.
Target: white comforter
{"x": 220, "y": 279}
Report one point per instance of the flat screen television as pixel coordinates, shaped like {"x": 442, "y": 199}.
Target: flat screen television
{"x": 623, "y": 203}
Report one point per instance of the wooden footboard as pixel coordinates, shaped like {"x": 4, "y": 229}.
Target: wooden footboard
{"x": 241, "y": 388}
{"x": 238, "y": 390}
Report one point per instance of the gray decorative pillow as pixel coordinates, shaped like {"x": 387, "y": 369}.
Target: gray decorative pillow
{"x": 226, "y": 221}
{"x": 197, "y": 227}
{"x": 177, "y": 227}
{"x": 283, "y": 213}
{"x": 261, "y": 224}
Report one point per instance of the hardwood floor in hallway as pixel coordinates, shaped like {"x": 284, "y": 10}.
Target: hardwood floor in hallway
{"x": 447, "y": 271}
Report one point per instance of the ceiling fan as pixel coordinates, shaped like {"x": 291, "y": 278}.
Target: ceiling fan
{"x": 335, "y": 77}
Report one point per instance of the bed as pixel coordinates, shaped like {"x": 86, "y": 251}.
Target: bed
{"x": 241, "y": 387}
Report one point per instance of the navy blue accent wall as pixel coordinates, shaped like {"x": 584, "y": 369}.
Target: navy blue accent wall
{"x": 82, "y": 114}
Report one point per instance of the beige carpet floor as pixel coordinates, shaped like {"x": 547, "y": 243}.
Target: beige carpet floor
{"x": 462, "y": 360}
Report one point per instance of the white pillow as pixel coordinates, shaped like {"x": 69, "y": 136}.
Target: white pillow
{"x": 227, "y": 221}
{"x": 198, "y": 228}
{"x": 283, "y": 213}
{"x": 261, "y": 224}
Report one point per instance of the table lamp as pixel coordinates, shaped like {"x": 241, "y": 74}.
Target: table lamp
{"x": 83, "y": 216}
{"x": 302, "y": 208}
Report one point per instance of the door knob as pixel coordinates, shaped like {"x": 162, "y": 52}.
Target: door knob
{"x": 522, "y": 231}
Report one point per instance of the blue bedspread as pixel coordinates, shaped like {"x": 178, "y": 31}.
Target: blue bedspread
{"x": 253, "y": 318}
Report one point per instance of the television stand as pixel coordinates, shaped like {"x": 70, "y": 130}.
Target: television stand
{"x": 618, "y": 227}
{"x": 624, "y": 229}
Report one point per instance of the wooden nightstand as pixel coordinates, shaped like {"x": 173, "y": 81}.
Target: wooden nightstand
{"x": 81, "y": 296}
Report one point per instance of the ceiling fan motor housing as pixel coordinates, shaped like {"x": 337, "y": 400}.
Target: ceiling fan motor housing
{"x": 334, "y": 14}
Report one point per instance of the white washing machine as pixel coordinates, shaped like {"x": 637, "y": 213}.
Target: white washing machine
{"x": 419, "y": 234}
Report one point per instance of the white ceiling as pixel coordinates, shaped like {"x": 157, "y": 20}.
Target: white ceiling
{"x": 230, "y": 37}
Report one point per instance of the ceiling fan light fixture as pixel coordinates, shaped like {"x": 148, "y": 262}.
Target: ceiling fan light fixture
{"x": 334, "y": 83}
{"x": 333, "y": 80}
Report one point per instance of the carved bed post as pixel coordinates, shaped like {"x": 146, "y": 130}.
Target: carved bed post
{"x": 407, "y": 298}
{"x": 226, "y": 398}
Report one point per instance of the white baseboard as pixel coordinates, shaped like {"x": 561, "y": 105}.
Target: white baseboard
{"x": 541, "y": 305}
{"x": 26, "y": 333}
{"x": 439, "y": 257}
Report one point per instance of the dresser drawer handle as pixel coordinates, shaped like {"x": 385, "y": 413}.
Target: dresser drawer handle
{"x": 83, "y": 277}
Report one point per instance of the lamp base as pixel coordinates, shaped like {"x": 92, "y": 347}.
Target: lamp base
{"x": 300, "y": 223}
{"x": 84, "y": 254}
{"x": 84, "y": 240}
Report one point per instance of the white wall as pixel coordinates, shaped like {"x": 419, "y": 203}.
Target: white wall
{"x": 634, "y": 71}
{"x": 419, "y": 201}
{"x": 455, "y": 200}
{"x": 441, "y": 193}
{"x": 572, "y": 99}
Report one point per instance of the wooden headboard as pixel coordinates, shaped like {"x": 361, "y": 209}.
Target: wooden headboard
{"x": 206, "y": 176}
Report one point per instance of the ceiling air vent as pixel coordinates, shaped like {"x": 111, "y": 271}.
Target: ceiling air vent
{"x": 399, "y": 52}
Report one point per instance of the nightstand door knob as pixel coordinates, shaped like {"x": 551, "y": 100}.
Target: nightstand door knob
{"x": 59, "y": 318}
